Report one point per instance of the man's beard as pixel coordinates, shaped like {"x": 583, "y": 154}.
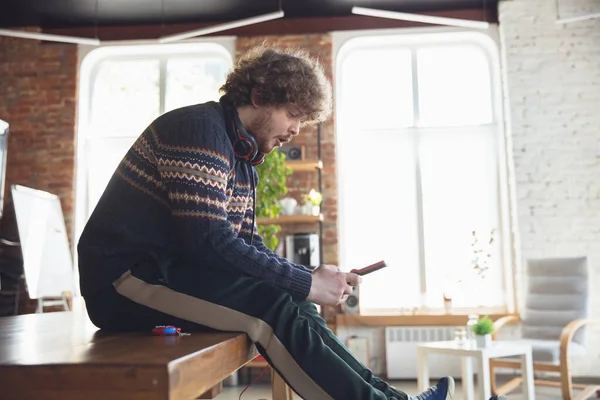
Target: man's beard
{"x": 261, "y": 128}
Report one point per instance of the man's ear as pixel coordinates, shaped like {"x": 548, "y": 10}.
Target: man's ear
{"x": 254, "y": 96}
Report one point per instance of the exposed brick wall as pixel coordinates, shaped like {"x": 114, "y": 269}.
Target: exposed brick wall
{"x": 300, "y": 183}
{"x": 553, "y": 87}
{"x": 38, "y": 98}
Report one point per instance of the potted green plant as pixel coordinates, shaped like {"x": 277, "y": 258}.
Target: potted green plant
{"x": 272, "y": 175}
{"x": 483, "y": 330}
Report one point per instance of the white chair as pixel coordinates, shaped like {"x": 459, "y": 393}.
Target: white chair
{"x": 556, "y": 310}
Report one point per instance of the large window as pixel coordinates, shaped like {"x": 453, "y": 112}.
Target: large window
{"x": 122, "y": 90}
{"x": 419, "y": 142}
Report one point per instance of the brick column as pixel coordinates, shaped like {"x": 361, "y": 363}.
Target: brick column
{"x": 300, "y": 183}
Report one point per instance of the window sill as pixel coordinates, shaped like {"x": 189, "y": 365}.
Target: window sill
{"x": 407, "y": 320}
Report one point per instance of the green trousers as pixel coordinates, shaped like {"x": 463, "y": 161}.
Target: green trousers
{"x": 290, "y": 334}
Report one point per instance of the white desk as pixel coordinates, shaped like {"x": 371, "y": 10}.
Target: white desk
{"x": 469, "y": 351}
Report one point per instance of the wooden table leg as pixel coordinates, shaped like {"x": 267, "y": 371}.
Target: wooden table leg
{"x": 280, "y": 389}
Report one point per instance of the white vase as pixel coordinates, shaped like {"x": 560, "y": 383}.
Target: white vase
{"x": 306, "y": 209}
{"x": 315, "y": 210}
{"x": 288, "y": 205}
{"x": 483, "y": 341}
{"x": 448, "y": 305}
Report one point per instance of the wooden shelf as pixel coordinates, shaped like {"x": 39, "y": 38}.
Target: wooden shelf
{"x": 304, "y": 166}
{"x": 290, "y": 219}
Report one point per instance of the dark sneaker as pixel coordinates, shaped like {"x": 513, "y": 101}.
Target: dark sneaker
{"x": 498, "y": 397}
{"x": 443, "y": 390}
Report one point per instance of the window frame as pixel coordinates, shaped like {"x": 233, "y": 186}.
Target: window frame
{"x": 413, "y": 40}
{"x": 91, "y": 58}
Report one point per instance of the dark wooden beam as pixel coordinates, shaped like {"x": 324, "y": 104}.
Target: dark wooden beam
{"x": 298, "y": 26}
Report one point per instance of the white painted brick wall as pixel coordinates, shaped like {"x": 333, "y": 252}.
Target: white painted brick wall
{"x": 552, "y": 77}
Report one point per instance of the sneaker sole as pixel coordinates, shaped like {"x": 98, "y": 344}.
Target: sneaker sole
{"x": 450, "y": 394}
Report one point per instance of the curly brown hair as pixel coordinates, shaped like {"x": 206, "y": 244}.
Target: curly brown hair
{"x": 281, "y": 77}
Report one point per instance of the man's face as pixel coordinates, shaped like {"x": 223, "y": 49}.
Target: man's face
{"x": 274, "y": 126}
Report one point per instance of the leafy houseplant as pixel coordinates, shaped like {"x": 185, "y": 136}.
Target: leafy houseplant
{"x": 272, "y": 175}
{"x": 483, "y": 330}
{"x": 313, "y": 197}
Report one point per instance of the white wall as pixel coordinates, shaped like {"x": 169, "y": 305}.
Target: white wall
{"x": 552, "y": 74}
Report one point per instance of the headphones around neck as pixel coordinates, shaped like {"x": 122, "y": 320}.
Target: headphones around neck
{"x": 244, "y": 143}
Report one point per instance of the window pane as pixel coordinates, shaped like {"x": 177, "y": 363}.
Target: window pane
{"x": 125, "y": 97}
{"x": 378, "y": 215}
{"x": 458, "y": 170}
{"x": 454, "y": 86}
{"x": 103, "y": 156}
{"x": 460, "y": 195}
{"x": 376, "y": 91}
{"x": 194, "y": 80}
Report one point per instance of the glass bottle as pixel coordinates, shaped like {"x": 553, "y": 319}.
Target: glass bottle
{"x": 472, "y": 321}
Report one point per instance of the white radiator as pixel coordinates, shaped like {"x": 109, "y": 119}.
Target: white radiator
{"x": 401, "y": 351}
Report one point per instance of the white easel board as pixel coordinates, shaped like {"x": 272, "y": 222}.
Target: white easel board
{"x": 47, "y": 259}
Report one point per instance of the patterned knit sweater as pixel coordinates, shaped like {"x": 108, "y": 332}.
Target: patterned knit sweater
{"x": 181, "y": 196}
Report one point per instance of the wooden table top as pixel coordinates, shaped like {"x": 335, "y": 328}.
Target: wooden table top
{"x": 63, "y": 355}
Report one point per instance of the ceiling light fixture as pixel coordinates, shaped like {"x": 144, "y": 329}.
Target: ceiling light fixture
{"x": 49, "y": 37}
{"x": 426, "y": 19}
{"x": 221, "y": 27}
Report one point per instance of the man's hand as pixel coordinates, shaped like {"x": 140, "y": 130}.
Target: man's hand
{"x": 330, "y": 286}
